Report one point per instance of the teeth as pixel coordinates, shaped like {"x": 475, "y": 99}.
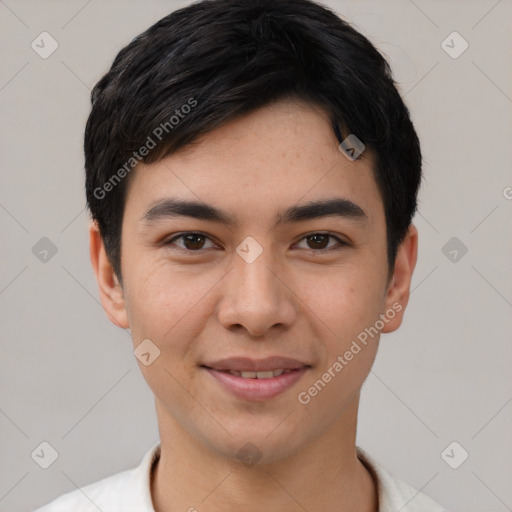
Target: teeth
{"x": 264, "y": 375}
{"x": 258, "y": 375}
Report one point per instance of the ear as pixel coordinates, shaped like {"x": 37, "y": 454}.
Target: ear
{"x": 397, "y": 295}
{"x": 111, "y": 292}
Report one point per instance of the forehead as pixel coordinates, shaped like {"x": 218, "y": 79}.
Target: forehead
{"x": 278, "y": 156}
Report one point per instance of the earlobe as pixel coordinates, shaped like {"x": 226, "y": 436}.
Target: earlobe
{"x": 110, "y": 290}
{"x": 397, "y": 295}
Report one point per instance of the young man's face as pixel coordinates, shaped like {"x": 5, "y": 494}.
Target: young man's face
{"x": 211, "y": 297}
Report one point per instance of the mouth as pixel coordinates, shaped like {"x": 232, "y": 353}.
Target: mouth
{"x": 256, "y": 375}
{"x": 256, "y": 380}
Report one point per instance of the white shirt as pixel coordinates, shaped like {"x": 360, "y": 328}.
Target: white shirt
{"x": 129, "y": 491}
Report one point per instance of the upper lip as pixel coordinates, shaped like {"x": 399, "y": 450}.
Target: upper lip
{"x": 246, "y": 364}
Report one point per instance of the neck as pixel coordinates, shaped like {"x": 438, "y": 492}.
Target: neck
{"x": 325, "y": 475}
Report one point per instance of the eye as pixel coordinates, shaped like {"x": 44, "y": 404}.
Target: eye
{"x": 191, "y": 241}
{"x": 320, "y": 241}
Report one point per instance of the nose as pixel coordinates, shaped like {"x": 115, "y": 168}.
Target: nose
{"x": 256, "y": 297}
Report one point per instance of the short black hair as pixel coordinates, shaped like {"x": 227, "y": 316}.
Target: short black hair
{"x": 215, "y": 60}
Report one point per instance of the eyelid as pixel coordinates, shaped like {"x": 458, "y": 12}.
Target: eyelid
{"x": 169, "y": 241}
{"x": 340, "y": 241}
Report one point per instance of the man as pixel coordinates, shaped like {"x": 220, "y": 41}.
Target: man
{"x": 252, "y": 174}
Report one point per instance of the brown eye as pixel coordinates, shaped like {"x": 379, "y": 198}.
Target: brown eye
{"x": 321, "y": 241}
{"x": 190, "y": 241}
{"x": 318, "y": 241}
{"x": 193, "y": 241}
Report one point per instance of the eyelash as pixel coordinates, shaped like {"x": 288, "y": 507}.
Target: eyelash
{"x": 170, "y": 241}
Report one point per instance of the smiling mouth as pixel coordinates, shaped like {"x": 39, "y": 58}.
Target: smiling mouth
{"x": 256, "y": 386}
{"x": 256, "y": 375}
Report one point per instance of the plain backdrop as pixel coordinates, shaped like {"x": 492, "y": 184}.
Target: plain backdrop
{"x": 69, "y": 378}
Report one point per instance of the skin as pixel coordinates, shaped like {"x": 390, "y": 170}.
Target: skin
{"x": 295, "y": 300}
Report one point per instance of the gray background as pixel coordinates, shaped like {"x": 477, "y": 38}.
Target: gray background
{"x": 69, "y": 377}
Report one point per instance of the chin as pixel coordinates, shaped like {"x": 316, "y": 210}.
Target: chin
{"x": 258, "y": 447}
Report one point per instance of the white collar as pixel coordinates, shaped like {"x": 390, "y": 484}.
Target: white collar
{"x": 394, "y": 495}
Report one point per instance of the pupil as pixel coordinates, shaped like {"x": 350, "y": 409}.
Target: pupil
{"x": 191, "y": 241}
{"x": 319, "y": 241}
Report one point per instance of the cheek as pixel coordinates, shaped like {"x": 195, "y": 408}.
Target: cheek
{"x": 154, "y": 300}
{"x": 163, "y": 307}
{"x": 350, "y": 311}
{"x": 347, "y": 303}
{"x": 350, "y": 346}
{"x": 168, "y": 305}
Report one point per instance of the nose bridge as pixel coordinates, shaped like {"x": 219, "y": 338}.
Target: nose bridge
{"x": 256, "y": 278}
{"x": 255, "y": 297}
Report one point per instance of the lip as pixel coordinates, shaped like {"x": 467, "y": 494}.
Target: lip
{"x": 256, "y": 390}
{"x": 246, "y": 364}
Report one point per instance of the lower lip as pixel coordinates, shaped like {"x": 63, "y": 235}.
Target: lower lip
{"x": 257, "y": 389}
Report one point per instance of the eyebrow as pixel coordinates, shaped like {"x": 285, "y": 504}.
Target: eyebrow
{"x": 338, "y": 207}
